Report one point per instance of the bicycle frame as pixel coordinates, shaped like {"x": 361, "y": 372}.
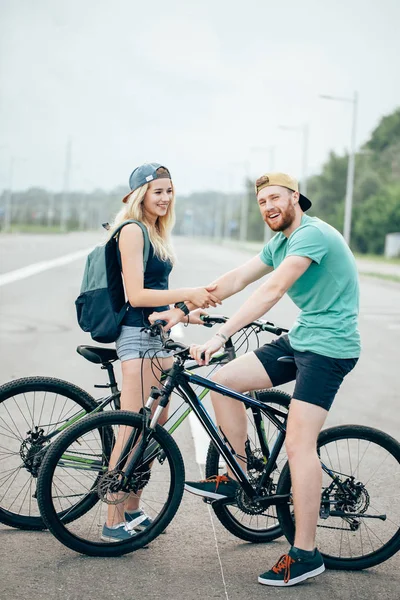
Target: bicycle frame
{"x": 219, "y": 439}
{"x": 180, "y": 379}
{"x": 174, "y": 421}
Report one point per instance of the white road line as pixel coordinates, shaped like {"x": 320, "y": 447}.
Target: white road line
{"x": 200, "y": 439}
{"x": 210, "y": 513}
{"x": 44, "y": 265}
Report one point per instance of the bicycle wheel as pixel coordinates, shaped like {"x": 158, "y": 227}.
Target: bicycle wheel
{"x": 251, "y": 525}
{"x": 359, "y": 524}
{"x": 77, "y": 467}
{"x": 31, "y": 409}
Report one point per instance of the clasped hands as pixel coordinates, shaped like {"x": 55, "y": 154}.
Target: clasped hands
{"x": 202, "y": 297}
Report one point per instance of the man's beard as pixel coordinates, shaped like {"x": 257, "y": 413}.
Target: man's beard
{"x": 284, "y": 221}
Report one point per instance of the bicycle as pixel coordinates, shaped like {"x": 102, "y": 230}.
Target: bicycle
{"x": 35, "y": 410}
{"x": 152, "y": 465}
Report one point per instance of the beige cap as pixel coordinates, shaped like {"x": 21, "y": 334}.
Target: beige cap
{"x": 286, "y": 181}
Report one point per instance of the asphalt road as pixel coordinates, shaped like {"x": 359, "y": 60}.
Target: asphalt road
{"x": 197, "y": 558}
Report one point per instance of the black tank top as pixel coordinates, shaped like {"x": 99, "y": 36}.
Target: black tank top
{"x": 155, "y": 278}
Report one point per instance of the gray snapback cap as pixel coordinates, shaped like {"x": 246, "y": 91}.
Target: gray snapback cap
{"x": 146, "y": 173}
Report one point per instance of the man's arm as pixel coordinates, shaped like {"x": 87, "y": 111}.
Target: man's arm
{"x": 228, "y": 284}
{"x": 260, "y": 302}
{"x": 267, "y": 295}
{"x": 236, "y": 280}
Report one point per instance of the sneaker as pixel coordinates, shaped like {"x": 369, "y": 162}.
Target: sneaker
{"x": 293, "y": 568}
{"x": 134, "y": 516}
{"x": 215, "y": 487}
{"x": 141, "y": 526}
{"x": 120, "y": 533}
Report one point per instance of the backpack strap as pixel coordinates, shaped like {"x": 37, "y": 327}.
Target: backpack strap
{"x": 146, "y": 240}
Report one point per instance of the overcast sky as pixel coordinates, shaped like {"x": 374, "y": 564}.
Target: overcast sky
{"x": 201, "y": 87}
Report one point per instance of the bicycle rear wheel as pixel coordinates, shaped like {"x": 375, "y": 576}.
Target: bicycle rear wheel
{"x": 77, "y": 467}
{"x": 253, "y": 526}
{"x": 359, "y": 524}
{"x": 31, "y": 408}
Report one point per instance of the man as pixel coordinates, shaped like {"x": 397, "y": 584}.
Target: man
{"x": 312, "y": 263}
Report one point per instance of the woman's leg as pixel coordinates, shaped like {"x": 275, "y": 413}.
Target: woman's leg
{"x": 134, "y": 394}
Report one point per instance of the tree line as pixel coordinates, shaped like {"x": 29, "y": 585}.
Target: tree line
{"x": 213, "y": 214}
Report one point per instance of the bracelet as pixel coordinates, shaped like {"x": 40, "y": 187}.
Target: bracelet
{"x": 182, "y": 306}
{"x": 187, "y": 323}
{"x": 222, "y": 336}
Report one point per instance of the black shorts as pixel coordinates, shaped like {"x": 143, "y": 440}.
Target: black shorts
{"x": 318, "y": 377}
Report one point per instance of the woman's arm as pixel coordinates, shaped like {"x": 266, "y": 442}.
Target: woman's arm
{"x": 131, "y": 247}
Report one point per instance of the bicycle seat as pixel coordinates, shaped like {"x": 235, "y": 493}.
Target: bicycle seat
{"x": 288, "y": 359}
{"x": 98, "y": 355}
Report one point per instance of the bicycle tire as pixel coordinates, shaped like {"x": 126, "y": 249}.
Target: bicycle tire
{"x": 223, "y": 514}
{"x": 90, "y": 548}
{"x": 332, "y": 434}
{"x": 24, "y": 386}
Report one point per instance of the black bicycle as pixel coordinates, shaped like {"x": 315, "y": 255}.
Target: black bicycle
{"x": 34, "y": 411}
{"x": 359, "y": 512}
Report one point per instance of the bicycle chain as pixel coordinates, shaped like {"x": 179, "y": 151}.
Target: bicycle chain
{"x": 333, "y": 527}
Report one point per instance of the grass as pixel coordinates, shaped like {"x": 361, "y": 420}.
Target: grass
{"x": 377, "y": 258}
{"x": 386, "y": 276}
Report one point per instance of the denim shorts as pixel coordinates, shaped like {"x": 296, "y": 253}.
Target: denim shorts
{"x": 135, "y": 343}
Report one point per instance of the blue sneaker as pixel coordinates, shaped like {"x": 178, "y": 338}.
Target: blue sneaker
{"x": 120, "y": 533}
{"x": 215, "y": 487}
{"x": 140, "y": 523}
{"x": 136, "y": 514}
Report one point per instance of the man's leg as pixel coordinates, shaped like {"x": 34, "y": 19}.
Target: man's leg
{"x": 253, "y": 371}
{"x": 304, "y": 424}
{"x": 243, "y": 374}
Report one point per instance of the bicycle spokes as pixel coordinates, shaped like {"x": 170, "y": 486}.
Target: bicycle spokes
{"x": 360, "y": 508}
{"x": 90, "y": 485}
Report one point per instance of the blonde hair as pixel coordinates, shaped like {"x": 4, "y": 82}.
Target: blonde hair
{"x": 160, "y": 232}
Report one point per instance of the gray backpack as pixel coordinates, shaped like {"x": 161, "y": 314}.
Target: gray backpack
{"x": 101, "y": 306}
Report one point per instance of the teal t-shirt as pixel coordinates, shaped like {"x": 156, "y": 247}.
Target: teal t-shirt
{"x": 327, "y": 293}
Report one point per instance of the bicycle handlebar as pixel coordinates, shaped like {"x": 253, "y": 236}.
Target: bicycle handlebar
{"x": 209, "y": 320}
{"x": 261, "y": 324}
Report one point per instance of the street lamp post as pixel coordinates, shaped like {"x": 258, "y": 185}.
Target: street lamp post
{"x": 350, "y": 169}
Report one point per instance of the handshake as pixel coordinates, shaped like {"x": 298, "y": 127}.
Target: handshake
{"x": 200, "y": 298}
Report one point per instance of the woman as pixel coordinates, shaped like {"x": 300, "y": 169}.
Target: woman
{"x": 150, "y": 201}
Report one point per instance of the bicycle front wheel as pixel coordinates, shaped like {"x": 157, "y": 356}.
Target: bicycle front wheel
{"x": 76, "y": 467}
{"x": 31, "y": 410}
{"x": 253, "y": 525}
{"x": 359, "y": 524}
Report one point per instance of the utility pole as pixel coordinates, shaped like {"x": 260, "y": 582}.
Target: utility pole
{"x": 270, "y": 150}
{"x": 8, "y": 204}
{"x": 66, "y": 185}
{"x": 350, "y": 174}
{"x": 348, "y": 206}
{"x": 244, "y": 205}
